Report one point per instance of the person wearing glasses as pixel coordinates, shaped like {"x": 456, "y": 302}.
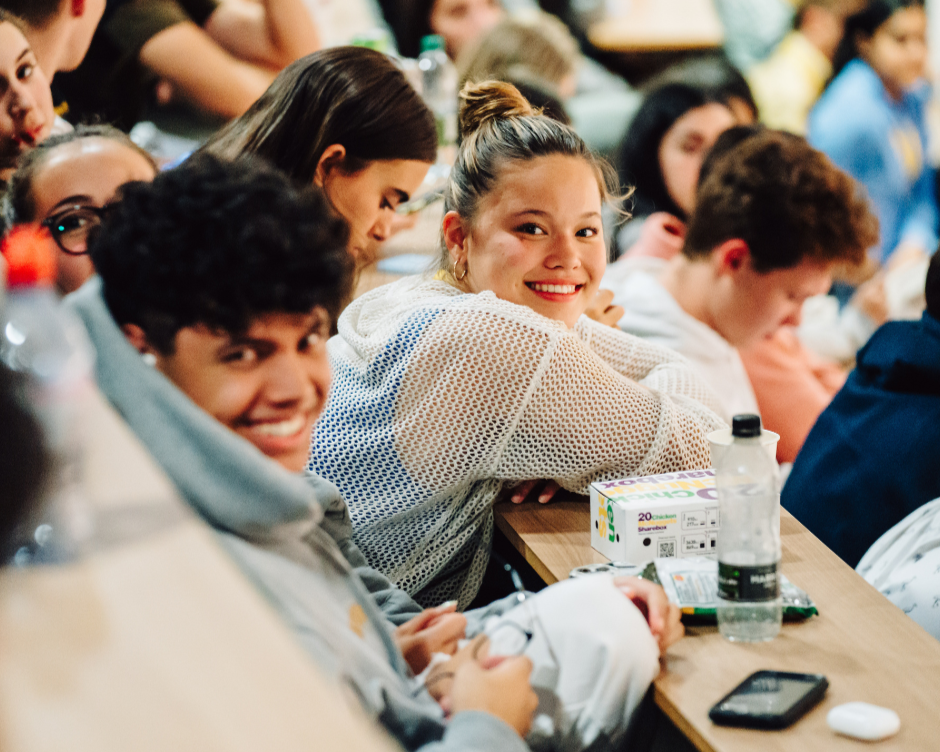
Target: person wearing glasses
{"x": 67, "y": 183}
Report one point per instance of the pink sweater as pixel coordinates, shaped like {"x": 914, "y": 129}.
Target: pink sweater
{"x": 792, "y": 385}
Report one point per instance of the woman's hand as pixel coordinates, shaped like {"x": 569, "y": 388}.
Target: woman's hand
{"x": 434, "y": 630}
{"x": 544, "y": 493}
{"x": 498, "y": 686}
{"x": 663, "y": 617}
{"x": 602, "y": 310}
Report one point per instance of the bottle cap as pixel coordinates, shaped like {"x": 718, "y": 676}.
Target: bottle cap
{"x": 432, "y": 42}
{"x": 30, "y": 257}
{"x": 745, "y": 426}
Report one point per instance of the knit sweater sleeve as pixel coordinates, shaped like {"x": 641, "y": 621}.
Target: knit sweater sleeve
{"x": 647, "y": 363}
{"x": 499, "y": 393}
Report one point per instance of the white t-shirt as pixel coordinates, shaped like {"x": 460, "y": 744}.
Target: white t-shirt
{"x": 650, "y": 312}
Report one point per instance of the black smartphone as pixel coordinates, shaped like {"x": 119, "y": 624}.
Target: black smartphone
{"x": 769, "y": 699}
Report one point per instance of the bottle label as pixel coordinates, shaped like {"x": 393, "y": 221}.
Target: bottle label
{"x": 748, "y": 583}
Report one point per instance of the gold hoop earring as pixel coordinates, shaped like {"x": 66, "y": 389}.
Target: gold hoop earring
{"x": 454, "y": 273}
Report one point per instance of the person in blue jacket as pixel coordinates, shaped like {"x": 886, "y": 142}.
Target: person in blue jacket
{"x": 871, "y": 459}
{"x": 871, "y": 122}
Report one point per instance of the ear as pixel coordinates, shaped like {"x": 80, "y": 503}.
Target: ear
{"x": 331, "y": 158}
{"x": 78, "y": 8}
{"x": 455, "y": 234}
{"x": 731, "y": 256}
{"x": 138, "y": 339}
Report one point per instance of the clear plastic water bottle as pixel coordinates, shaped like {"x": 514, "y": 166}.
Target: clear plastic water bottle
{"x": 749, "y": 608}
{"x": 439, "y": 87}
{"x": 44, "y": 340}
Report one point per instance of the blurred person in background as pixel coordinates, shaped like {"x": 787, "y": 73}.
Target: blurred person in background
{"x": 753, "y": 28}
{"x": 602, "y": 103}
{"x": 67, "y": 184}
{"x": 59, "y": 31}
{"x": 712, "y": 72}
{"x": 871, "y": 122}
{"x": 831, "y": 329}
{"x": 662, "y": 153}
{"x": 217, "y": 56}
{"x": 459, "y": 22}
{"x": 787, "y": 84}
{"x": 534, "y": 48}
{"x": 26, "y": 112}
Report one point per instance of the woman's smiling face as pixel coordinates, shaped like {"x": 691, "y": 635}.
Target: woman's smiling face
{"x": 537, "y": 239}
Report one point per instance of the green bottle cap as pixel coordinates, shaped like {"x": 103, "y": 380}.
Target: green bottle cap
{"x": 432, "y": 42}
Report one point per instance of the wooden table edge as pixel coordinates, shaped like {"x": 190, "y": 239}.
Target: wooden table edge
{"x": 608, "y": 43}
{"x": 517, "y": 543}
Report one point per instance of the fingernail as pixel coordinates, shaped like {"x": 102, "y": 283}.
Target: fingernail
{"x": 516, "y": 499}
{"x": 447, "y": 604}
{"x": 543, "y": 499}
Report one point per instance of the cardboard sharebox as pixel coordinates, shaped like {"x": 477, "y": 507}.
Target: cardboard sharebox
{"x": 656, "y": 517}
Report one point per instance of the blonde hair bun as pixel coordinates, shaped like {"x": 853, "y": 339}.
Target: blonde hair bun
{"x": 490, "y": 100}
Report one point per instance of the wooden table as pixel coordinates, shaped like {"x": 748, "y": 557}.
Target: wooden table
{"x": 658, "y": 26}
{"x": 869, "y": 650}
{"x": 155, "y": 641}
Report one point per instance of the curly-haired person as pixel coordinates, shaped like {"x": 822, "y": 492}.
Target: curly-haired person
{"x": 218, "y": 285}
{"x": 773, "y": 217}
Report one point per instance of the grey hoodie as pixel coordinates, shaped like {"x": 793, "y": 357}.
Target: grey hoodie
{"x": 291, "y": 535}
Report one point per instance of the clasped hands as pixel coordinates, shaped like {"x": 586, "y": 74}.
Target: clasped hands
{"x": 472, "y": 679}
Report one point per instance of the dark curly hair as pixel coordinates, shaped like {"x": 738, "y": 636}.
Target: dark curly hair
{"x": 219, "y": 244}
{"x": 786, "y": 200}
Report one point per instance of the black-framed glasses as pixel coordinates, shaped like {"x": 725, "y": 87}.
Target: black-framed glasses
{"x": 71, "y": 227}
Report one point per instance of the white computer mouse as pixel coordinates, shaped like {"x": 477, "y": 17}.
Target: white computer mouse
{"x": 863, "y": 721}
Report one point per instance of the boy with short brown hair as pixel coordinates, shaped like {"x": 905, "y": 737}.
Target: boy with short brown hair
{"x": 773, "y": 217}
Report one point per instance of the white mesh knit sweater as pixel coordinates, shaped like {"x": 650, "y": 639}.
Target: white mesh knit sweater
{"x": 441, "y": 398}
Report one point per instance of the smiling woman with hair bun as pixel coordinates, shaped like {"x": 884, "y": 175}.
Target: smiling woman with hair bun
{"x": 448, "y": 390}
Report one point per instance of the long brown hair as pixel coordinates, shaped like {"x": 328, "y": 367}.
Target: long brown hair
{"x": 351, "y": 96}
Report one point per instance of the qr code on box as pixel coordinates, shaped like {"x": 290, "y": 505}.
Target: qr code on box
{"x": 667, "y": 548}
